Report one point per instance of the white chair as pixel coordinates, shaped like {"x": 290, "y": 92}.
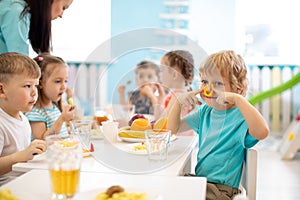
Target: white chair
{"x": 249, "y": 175}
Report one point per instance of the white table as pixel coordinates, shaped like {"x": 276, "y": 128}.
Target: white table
{"x": 179, "y": 155}
{"x": 35, "y": 185}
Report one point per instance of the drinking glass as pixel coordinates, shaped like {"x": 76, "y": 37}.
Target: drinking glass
{"x": 157, "y": 141}
{"x": 64, "y": 161}
{"x": 100, "y": 115}
{"x": 82, "y": 129}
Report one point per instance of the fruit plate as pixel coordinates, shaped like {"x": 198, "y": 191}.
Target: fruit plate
{"x": 128, "y": 135}
{"x": 135, "y": 140}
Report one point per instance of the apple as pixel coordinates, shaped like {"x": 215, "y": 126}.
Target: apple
{"x": 152, "y": 123}
{"x": 134, "y": 117}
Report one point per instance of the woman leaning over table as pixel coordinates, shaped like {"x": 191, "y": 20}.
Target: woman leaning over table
{"x": 21, "y": 20}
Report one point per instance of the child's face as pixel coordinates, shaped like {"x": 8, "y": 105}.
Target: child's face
{"x": 211, "y": 86}
{"x": 55, "y": 85}
{"x": 145, "y": 76}
{"x": 20, "y": 94}
{"x": 169, "y": 75}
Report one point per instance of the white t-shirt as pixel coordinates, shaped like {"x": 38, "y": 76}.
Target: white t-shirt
{"x": 14, "y": 136}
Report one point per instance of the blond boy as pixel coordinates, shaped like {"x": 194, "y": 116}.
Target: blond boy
{"x": 19, "y": 76}
{"x": 227, "y": 124}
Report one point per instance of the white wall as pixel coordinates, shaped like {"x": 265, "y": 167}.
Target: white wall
{"x": 213, "y": 24}
{"x": 84, "y": 26}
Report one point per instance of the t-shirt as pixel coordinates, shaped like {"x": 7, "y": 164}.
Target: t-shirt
{"x": 223, "y": 140}
{"x": 14, "y": 30}
{"x": 143, "y": 104}
{"x": 14, "y": 137}
{"x": 48, "y": 116}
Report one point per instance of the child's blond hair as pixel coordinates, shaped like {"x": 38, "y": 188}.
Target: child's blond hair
{"x": 12, "y": 64}
{"x": 231, "y": 66}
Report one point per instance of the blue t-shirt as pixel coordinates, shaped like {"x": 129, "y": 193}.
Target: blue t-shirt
{"x": 223, "y": 139}
{"x": 48, "y": 116}
{"x": 14, "y": 29}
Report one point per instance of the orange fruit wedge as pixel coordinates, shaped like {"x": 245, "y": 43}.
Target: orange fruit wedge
{"x": 140, "y": 124}
{"x": 161, "y": 123}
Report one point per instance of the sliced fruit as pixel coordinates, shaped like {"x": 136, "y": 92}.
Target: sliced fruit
{"x": 140, "y": 124}
{"x": 125, "y": 132}
{"x": 211, "y": 90}
{"x": 161, "y": 123}
{"x": 134, "y": 117}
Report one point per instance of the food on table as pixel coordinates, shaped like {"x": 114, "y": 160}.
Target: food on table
{"x": 66, "y": 143}
{"x": 118, "y": 193}
{"x": 114, "y": 189}
{"x": 140, "y": 147}
{"x": 140, "y": 124}
{"x": 134, "y": 117}
{"x": 126, "y": 132}
{"x": 7, "y": 195}
{"x": 161, "y": 123}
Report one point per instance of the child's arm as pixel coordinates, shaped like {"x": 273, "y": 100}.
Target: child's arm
{"x": 121, "y": 90}
{"x": 158, "y": 108}
{"x": 258, "y": 127}
{"x": 6, "y": 162}
{"x": 148, "y": 90}
{"x": 39, "y": 130}
{"x": 175, "y": 123}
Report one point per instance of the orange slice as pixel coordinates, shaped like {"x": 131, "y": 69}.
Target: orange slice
{"x": 140, "y": 124}
{"x": 161, "y": 123}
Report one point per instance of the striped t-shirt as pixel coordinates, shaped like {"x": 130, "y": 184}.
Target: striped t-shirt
{"x": 48, "y": 116}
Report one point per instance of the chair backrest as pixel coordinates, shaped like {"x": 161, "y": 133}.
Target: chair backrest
{"x": 249, "y": 176}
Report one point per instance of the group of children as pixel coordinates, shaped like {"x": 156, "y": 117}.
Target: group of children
{"x": 226, "y": 123}
{"x": 34, "y": 87}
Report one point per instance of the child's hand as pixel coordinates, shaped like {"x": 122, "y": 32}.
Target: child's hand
{"x": 147, "y": 90}
{"x": 36, "y": 147}
{"x": 121, "y": 89}
{"x": 225, "y": 98}
{"x": 67, "y": 113}
{"x": 161, "y": 93}
{"x": 189, "y": 98}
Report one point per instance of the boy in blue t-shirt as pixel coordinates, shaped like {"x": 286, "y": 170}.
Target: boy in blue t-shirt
{"x": 227, "y": 124}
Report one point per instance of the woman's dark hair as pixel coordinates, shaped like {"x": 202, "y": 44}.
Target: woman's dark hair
{"x": 40, "y": 24}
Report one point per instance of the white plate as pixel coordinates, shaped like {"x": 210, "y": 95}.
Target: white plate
{"x": 130, "y": 149}
{"x": 135, "y": 140}
{"x": 91, "y": 194}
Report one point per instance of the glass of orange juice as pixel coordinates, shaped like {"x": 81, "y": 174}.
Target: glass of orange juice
{"x": 100, "y": 115}
{"x": 64, "y": 158}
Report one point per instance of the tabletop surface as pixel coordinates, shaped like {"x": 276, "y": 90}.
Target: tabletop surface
{"x": 112, "y": 159}
{"x": 91, "y": 183}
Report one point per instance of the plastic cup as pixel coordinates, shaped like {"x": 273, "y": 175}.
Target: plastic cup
{"x": 157, "y": 141}
{"x": 110, "y": 131}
